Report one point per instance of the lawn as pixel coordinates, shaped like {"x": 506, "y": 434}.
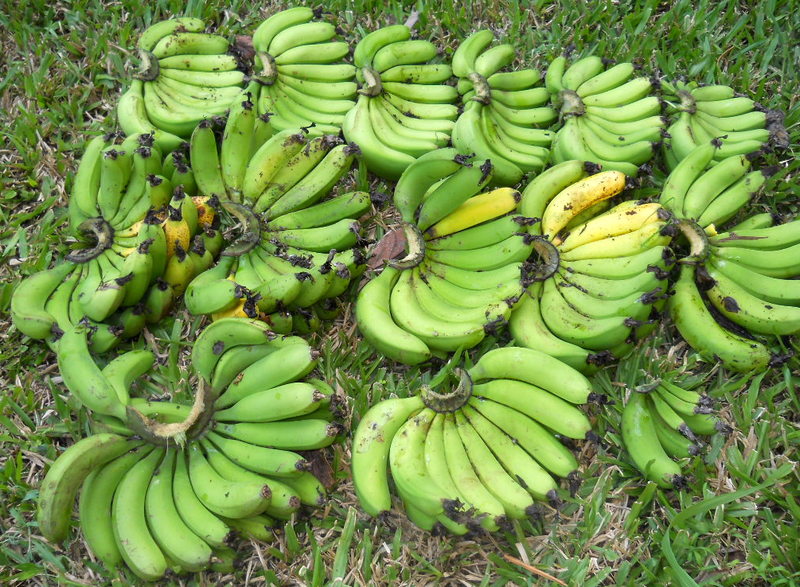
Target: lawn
{"x": 62, "y": 69}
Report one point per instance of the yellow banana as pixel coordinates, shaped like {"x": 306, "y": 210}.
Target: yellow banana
{"x": 476, "y": 210}
{"x": 577, "y": 197}
{"x": 619, "y": 220}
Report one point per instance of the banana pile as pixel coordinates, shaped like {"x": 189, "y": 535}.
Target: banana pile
{"x": 609, "y": 117}
{"x": 713, "y": 112}
{"x": 504, "y": 112}
{"x": 404, "y": 109}
{"x": 140, "y": 248}
{"x": 299, "y": 245}
{"x": 166, "y": 486}
{"x": 302, "y": 80}
{"x": 185, "y": 75}
{"x": 473, "y": 456}
{"x": 461, "y": 275}
{"x": 596, "y": 278}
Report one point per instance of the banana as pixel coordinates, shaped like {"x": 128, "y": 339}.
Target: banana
{"x": 625, "y": 152}
{"x": 407, "y": 464}
{"x": 211, "y": 292}
{"x": 683, "y": 176}
{"x": 283, "y": 500}
{"x": 611, "y": 78}
{"x": 401, "y": 53}
{"x": 538, "y": 194}
{"x": 206, "y": 160}
{"x": 321, "y": 73}
{"x": 525, "y": 471}
{"x": 314, "y": 185}
{"x": 371, "y": 446}
{"x": 158, "y": 301}
{"x": 393, "y": 133}
{"x": 529, "y": 330}
{"x": 277, "y": 403}
{"x": 234, "y": 361}
{"x": 205, "y": 524}
{"x": 268, "y": 159}
{"x": 349, "y": 205}
{"x": 223, "y": 497}
{"x": 641, "y": 441}
{"x": 512, "y": 81}
{"x": 222, "y": 335}
{"x": 617, "y": 221}
{"x": 123, "y": 370}
{"x": 440, "y": 307}
{"x": 435, "y": 333}
{"x": 730, "y": 201}
{"x": 307, "y": 434}
{"x": 189, "y": 43}
{"x": 779, "y": 263}
{"x": 487, "y": 510}
{"x": 259, "y": 459}
{"x": 30, "y": 297}
{"x": 771, "y": 290}
{"x": 626, "y": 244}
{"x": 581, "y": 71}
{"x": 509, "y": 491}
{"x": 84, "y": 378}
{"x": 366, "y": 49}
{"x": 535, "y": 368}
{"x": 468, "y": 51}
{"x": 699, "y": 328}
{"x": 139, "y": 550}
{"x": 469, "y": 136}
{"x": 202, "y": 63}
{"x": 452, "y": 193}
{"x": 470, "y": 296}
{"x": 157, "y": 31}
{"x": 289, "y": 362}
{"x": 94, "y": 510}
{"x": 378, "y": 327}
{"x": 611, "y": 289}
{"x": 737, "y": 304}
{"x": 418, "y": 178}
{"x": 204, "y": 79}
{"x": 513, "y": 249}
{"x": 133, "y": 118}
{"x": 528, "y": 434}
{"x": 637, "y": 110}
{"x": 305, "y": 33}
{"x": 380, "y": 159}
{"x": 576, "y": 327}
{"x": 67, "y": 473}
{"x": 278, "y": 22}
{"x": 579, "y": 196}
{"x": 463, "y": 231}
{"x": 417, "y": 72}
{"x": 171, "y": 533}
{"x": 713, "y": 182}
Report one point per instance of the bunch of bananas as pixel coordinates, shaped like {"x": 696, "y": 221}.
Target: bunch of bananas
{"x": 598, "y": 277}
{"x": 404, "y": 109}
{"x": 308, "y": 250}
{"x": 713, "y": 112}
{"x": 745, "y": 273}
{"x": 139, "y": 233}
{"x": 185, "y": 76}
{"x": 610, "y": 117}
{"x": 479, "y": 453}
{"x": 302, "y": 80}
{"x": 662, "y": 420}
{"x": 503, "y": 110}
{"x": 166, "y": 486}
{"x": 461, "y": 275}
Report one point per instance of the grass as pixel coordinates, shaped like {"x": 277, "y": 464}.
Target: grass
{"x": 63, "y": 67}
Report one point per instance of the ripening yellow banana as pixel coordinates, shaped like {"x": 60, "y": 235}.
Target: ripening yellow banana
{"x": 476, "y": 210}
{"x": 574, "y": 199}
